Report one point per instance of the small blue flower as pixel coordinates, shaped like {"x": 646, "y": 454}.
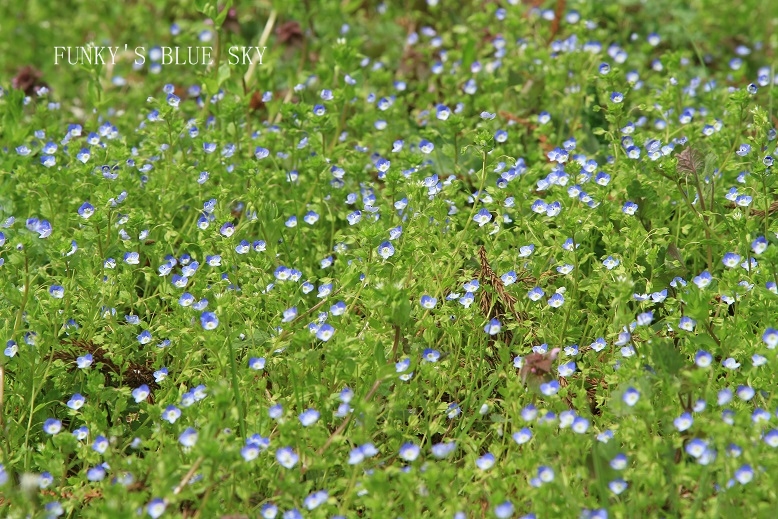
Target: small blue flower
{"x": 86, "y": 210}
{"x": 482, "y": 217}
{"x": 683, "y": 422}
{"x": 409, "y": 451}
{"x": 227, "y": 229}
{"x": 731, "y": 259}
{"x": 209, "y": 321}
{"x": 744, "y": 474}
{"x": 619, "y": 462}
{"x": 645, "y": 318}
{"x": 617, "y": 486}
{"x": 493, "y": 327}
{"x": 315, "y": 499}
{"x": 428, "y": 302}
{"x": 144, "y": 337}
{"x": 325, "y": 332}
{"x": 57, "y": 291}
{"x": 76, "y": 402}
{"x": 141, "y": 393}
{"x": 257, "y": 363}
{"x": 188, "y": 438}
{"x": 556, "y": 300}
{"x": 95, "y": 474}
{"x": 156, "y": 507}
{"x": 617, "y": 97}
{"x": 286, "y": 457}
{"x": 631, "y": 396}
{"x": 171, "y": 414}
{"x": 443, "y": 449}
{"x": 504, "y": 510}
{"x": 386, "y": 250}
{"x": 309, "y": 417}
{"x": 430, "y": 355}
{"x": 426, "y": 146}
{"x": 743, "y": 150}
{"x": 84, "y": 361}
{"x": 52, "y": 426}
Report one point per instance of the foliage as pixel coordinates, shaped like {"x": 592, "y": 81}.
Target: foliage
{"x": 496, "y": 260}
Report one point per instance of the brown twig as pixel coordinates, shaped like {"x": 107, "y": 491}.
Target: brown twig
{"x": 188, "y": 476}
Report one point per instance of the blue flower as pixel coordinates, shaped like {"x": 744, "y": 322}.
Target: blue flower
{"x": 619, "y": 462}
{"x": 703, "y": 359}
{"x": 76, "y": 402}
{"x": 771, "y": 438}
{"x": 428, "y": 302}
{"x": 268, "y": 511}
{"x": 703, "y": 280}
{"x": 286, "y": 457}
{"x": 42, "y": 227}
{"x": 95, "y": 473}
{"x": 617, "y": 97}
{"x": 683, "y": 422}
{"x": 86, "y": 210}
{"x": 409, "y": 451}
{"x": 315, "y": 499}
{"x": 743, "y": 150}
{"x": 617, "y": 486}
{"x": 631, "y": 396}
{"x": 566, "y": 369}
{"x": 309, "y": 417}
{"x": 556, "y": 300}
{"x": 744, "y": 474}
{"x": 325, "y": 332}
{"x": 443, "y": 449}
{"x": 84, "y": 361}
{"x": 188, "y": 438}
{"x": 100, "y": 445}
{"x": 535, "y": 294}
{"x": 610, "y": 263}
{"x": 745, "y": 392}
{"x": 549, "y": 388}
{"x": 52, "y": 426}
{"x": 57, "y": 291}
{"x": 645, "y": 318}
{"x": 141, "y": 393}
{"x": 629, "y": 208}
{"x": 482, "y": 217}
{"x": 430, "y": 355}
{"x": 504, "y": 510}
{"x": 731, "y": 259}
{"x": 770, "y": 338}
{"x": 171, "y": 414}
{"x": 257, "y": 363}
{"x": 493, "y": 327}
{"x": 250, "y": 452}
{"x": 289, "y": 314}
{"x": 156, "y": 507}
{"x": 426, "y": 146}
{"x": 523, "y": 436}
{"x": 227, "y": 229}
{"x": 209, "y": 321}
